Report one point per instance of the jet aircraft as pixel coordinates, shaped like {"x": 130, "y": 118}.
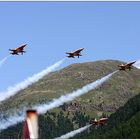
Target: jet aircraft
{"x": 75, "y": 53}
{"x": 126, "y": 66}
{"x": 101, "y": 121}
{"x": 18, "y": 50}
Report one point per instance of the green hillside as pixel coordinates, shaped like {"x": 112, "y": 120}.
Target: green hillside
{"x": 124, "y": 123}
{"x": 107, "y": 98}
{"x": 104, "y": 100}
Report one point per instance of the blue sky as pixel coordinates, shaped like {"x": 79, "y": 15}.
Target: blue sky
{"x": 107, "y": 30}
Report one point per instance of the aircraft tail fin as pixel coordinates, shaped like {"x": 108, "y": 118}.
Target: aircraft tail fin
{"x": 31, "y": 125}
{"x": 95, "y": 120}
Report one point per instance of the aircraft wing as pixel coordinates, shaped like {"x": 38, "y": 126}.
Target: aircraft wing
{"x": 129, "y": 64}
{"x": 103, "y": 120}
{"x": 121, "y": 66}
{"x": 21, "y": 48}
{"x": 78, "y": 51}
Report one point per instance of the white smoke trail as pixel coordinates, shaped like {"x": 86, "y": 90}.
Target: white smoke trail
{"x": 4, "y": 60}
{"x": 73, "y": 133}
{"x": 137, "y": 64}
{"x": 12, "y": 120}
{"x": 41, "y": 109}
{"x": 71, "y": 96}
{"x": 29, "y": 81}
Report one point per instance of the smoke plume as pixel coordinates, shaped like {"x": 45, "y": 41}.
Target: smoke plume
{"x": 73, "y": 133}
{"x": 4, "y": 60}
{"x": 12, "y": 119}
{"x": 42, "y": 108}
{"x": 71, "y": 96}
{"x": 137, "y": 64}
{"x": 29, "y": 81}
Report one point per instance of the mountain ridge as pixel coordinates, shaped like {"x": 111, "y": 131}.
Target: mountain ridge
{"x": 104, "y": 100}
{"x": 76, "y": 76}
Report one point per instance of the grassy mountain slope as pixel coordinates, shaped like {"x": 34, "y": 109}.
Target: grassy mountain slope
{"x": 108, "y": 97}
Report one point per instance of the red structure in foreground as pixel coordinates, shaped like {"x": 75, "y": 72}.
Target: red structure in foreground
{"x": 30, "y": 127}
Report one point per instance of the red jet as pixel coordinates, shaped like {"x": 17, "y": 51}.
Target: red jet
{"x": 75, "y": 53}
{"x": 18, "y": 50}
{"x": 126, "y": 66}
{"x": 101, "y": 121}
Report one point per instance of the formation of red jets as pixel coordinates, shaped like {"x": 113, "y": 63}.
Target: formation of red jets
{"x": 20, "y": 49}
{"x": 30, "y": 127}
{"x": 78, "y": 53}
{"x": 32, "y": 115}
